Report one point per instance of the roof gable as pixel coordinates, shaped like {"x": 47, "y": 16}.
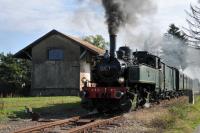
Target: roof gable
{"x": 26, "y": 53}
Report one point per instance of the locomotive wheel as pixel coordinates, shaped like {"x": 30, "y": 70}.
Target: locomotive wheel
{"x": 100, "y": 106}
{"x": 100, "y": 110}
{"x": 87, "y": 104}
{"x": 141, "y": 102}
{"x": 125, "y": 104}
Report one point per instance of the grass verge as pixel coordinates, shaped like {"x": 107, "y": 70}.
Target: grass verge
{"x": 186, "y": 117}
{"x": 14, "y": 107}
{"x": 181, "y": 118}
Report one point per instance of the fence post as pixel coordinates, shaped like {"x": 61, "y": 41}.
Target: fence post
{"x": 190, "y": 95}
{"x": 1, "y": 104}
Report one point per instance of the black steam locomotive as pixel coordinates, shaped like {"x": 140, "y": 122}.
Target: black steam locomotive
{"x": 130, "y": 80}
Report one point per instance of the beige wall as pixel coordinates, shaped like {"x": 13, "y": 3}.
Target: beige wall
{"x": 84, "y": 71}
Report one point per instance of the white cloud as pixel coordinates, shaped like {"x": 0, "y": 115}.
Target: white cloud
{"x": 85, "y": 17}
{"x": 172, "y": 11}
{"x": 23, "y": 15}
{"x": 37, "y": 15}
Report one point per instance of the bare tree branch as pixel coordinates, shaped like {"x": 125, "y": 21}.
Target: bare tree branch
{"x": 193, "y": 20}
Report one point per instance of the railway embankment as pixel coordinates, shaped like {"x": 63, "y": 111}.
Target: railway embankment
{"x": 174, "y": 116}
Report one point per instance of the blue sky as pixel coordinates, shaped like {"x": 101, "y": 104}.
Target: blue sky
{"x": 23, "y": 21}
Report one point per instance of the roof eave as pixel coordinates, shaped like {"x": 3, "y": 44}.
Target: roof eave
{"x": 25, "y": 53}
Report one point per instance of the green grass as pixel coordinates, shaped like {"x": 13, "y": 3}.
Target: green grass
{"x": 14, "y": 107}
{"x": 186, "y": 117}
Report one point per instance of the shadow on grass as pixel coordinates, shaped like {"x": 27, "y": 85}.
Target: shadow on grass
{"x": 54, "y": 111}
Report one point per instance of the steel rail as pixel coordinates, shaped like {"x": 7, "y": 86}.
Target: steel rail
{"x": 93, "y": 125}
{"x": 48, "y": 125}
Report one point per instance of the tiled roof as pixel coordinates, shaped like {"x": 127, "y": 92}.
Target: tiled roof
{"x": 26, "y": 52}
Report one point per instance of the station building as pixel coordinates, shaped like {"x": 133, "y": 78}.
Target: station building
{"x": 59, "y": 62}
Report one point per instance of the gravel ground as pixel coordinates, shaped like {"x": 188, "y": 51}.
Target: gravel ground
{"x": 145, "y": 120}
{"x": 12, "y": 125}
{"x": 197, "y": 130}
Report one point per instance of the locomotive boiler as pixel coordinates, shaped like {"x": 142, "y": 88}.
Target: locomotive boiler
{"x": 129, "y": 80}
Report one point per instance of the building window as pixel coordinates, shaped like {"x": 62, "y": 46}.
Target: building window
{"x": 55, "y": 54}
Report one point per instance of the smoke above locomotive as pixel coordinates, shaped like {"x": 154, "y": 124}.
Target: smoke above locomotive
{"x": 114, "y": 16}
{"x": 124, "y": 13}
{"x": 118, "y": 13}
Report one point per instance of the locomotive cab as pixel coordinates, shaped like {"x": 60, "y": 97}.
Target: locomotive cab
{"x": 124, "y": 53}
{"x": 143, "y": 57}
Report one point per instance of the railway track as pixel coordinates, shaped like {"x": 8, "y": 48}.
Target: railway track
{"x": 76, "y": 124}
{"x": 86, "y": 124}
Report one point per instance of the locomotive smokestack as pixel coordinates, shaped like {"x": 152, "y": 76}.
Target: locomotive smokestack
{"x": 112, "y": 45}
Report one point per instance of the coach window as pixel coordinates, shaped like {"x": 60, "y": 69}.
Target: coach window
{"x": 55, "y": 54}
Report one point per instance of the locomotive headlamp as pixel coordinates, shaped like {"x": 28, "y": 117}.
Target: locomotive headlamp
{"x": 84, "y": 80}
{"x": 121, "y": 80}
{"x": 119, "y": 94}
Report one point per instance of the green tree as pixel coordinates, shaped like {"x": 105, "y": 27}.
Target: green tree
{"x": 96, "y": 40}
{"x": 15, "y": 75}
{"x": 177, "y": 33}
{"x": 174, "y": 47}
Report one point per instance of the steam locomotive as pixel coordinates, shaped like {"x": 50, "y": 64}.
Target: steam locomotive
{"x": 130, "y": 80}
